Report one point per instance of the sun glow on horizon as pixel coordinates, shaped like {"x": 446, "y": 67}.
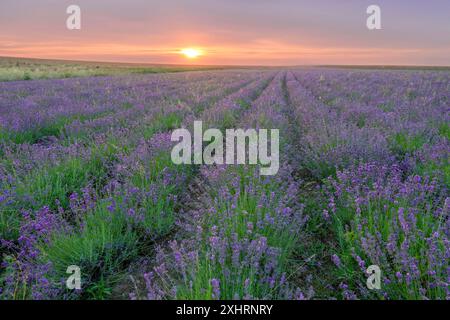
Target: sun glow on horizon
{"x": 191, "y": 53}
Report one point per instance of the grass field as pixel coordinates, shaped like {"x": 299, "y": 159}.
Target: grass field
{"x": 28, "y": 69}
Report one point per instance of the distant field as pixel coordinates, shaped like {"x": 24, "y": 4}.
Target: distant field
{"x": 12, "y": 69}
{"x": 27, "y": 69}
{"x": 389, "y": 67}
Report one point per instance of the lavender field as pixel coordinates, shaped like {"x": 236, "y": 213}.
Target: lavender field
{"x": 87, "y": 180}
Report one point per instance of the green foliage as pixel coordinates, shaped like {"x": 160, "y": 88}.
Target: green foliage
{"x": 9, "y": 224}
{"x": 99, "y": 290}
{"x": 440, "y": 170}
{"x": 158, "y": 209}
{"x": 101, "y": 247}
{"x": 162, "y": 123}
{"x": 57, "y": 182}
{"x": 403, "y": 144}
{"x": 444, "y": 130}
{"x": 34, "y": 135}
{"x": 227, "y": 121}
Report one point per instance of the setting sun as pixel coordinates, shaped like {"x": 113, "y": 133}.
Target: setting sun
{"x": 191, "y": 53}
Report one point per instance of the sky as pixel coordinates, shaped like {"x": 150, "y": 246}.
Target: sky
{"x": 230, "y": 32}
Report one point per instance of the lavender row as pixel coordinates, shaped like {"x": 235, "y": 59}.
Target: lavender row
{"x": 140, "y": 199}
{"x": 236, "y": 244}
{"x": 378, "y": 207}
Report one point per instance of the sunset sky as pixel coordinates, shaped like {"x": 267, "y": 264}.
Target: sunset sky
{"x": 243, "y": 32}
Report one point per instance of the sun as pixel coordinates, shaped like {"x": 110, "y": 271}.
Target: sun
{"x": 191, "y": 53}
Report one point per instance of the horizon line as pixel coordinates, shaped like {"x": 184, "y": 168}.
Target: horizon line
{"x": 228, "y": 65}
